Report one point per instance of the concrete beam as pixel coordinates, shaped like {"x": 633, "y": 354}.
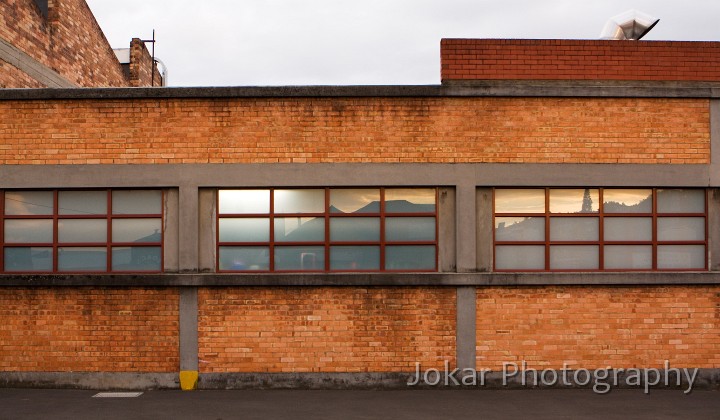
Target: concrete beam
{"x": 32, "y": 67}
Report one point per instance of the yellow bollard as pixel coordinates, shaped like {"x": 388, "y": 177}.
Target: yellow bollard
{"x": 188, "y": 379}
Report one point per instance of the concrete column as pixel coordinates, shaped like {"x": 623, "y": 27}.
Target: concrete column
{"x": 713, "y": 231}
{"x": 171, "y": 264}
{"x": 188, "y": 229}
{"x": 188, "y": 329}
{"x": 483, "y": 212}
{"x": 446, "y": 230}
{"x": 465, "y": 327}
{"x": 465, "y": 227}
{"x": 206, "y": 240}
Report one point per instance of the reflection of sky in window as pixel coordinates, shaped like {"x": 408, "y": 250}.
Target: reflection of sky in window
{"x": 244, "y": 201}
{"x": 352, "y": 200}
{"x": 299, "y": 201}
{"x": 413, "y": 195}
{"x": 572, "y": 200}
{"x": 28, "y": 202}
{"x": 634, "y": 200}
{"x": 519, "y": 201}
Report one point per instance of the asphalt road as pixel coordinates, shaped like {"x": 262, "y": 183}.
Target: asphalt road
{"x": 348, "y": 405}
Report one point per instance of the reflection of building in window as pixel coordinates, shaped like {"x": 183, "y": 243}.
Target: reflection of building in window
{"x": 359, "y": 229}
{"x": 81, "y": 231}
{"x": 629, "y": 229}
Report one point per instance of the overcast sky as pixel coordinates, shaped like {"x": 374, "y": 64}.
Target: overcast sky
{"x": 344, "y": 42}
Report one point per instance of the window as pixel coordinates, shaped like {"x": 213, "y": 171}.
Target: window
{"x": 359, "y": 229}
{"x": 600, "y": 229}
{"x": 73, "y": 231}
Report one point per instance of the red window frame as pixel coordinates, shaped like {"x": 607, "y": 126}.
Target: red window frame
{"x": 326, "y": 243}
{"x": 601, "y": 215}
{"x": 109, "y": 244}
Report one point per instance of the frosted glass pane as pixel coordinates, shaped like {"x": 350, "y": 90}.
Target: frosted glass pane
{"x": 681, "y": 256}
{"x": 82, "y": 202}
{"x": 28, "y": 231}
{"x": 28, "y": 259}
{"x": 355, "y": 258}
{"x": 519, "y": 228}
{"x": 248, "y": 258}
{"x": 28, "y": 202}
{"x": 300, "y": 258}
{"x": 136, "y": 258}
{"x": 402, "y": 229}
{"x": 82, "y": 230}
{"x": 410, "y": 200}
{"x": 355, "y": 200}
{"x": 244, "y": 230}
{"x": 354, "y": 229}
{"x": 681, "y": 228}
{"x": 408, "y": 257}
{"x": 519, "y": 201}
{"x": 137, "y": 230}
{"x": 628, "y": 257}
{"x": 681, "y": 201}
{"x": 244, "y": 201}
{"x": 300, "y": 229}
{"x": 72, "y": 259}
{"x": 574, "y": 201}
{"x": 137, "y": 202}
{"x": 512, "y": 257}
{"x": 299, "y": 201}
{"x": 627, "y": 228}
{"x": 627, "y": 201}
{"x": 574, "y": 228}
{"x": 574, "y": 257}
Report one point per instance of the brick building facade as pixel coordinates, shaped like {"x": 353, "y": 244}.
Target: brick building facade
{"x": 339, "y": 236}
{"x": 58, "y": 44}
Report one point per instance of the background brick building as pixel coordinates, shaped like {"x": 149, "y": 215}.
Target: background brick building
{"x": 151, "y": 231}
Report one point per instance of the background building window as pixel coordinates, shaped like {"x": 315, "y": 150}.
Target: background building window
{"x": 329, "y": 229}
{"x": 591, "y": 229}
{"x": 73, "y": 231}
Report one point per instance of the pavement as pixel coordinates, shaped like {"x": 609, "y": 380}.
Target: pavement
{"x": 348, "y": 405}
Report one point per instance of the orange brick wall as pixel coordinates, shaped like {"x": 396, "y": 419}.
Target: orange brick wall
{"x": 69, "y": 41}
{"x": 597, "y": 327}
{"x": 89, "y": 330}
{"x": 325, "y": 329}
{"x": 245, "y": 130}
{"x": 482, "y": 59}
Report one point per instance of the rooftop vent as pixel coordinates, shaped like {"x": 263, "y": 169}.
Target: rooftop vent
{"x": 631, "y": 25}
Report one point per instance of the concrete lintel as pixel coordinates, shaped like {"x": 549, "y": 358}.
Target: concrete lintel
{"x": 32, "y": 67}
{"x": 362, "y": 280}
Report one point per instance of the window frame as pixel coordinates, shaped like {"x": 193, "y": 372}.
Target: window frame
{"x": 108, "y": 244}
{"x": 601, "y": 215}
{"x": 382, "y": 243}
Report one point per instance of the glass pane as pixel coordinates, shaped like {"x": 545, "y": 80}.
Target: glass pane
{"x": 519, "y": 257}
{"x": 300, "y": 258}
{"x": 410, "y": 257}
{"x": 137, "y": 230}
{"x": 574, "y": 257}
{"x": 82, "y": 202}
{"x": 299, "y": 201}
{"x": 244, "y": 230}
{"x": 244, "y": 258}
{"x": 82, "y": 259}
{"x": 681, "y": 256}
{"x": 574, "y": 228}
{"x": 519, "y": 201}
{"x": 354, "y": 257}
{"x": 28, "y": 231}
{"x": 28, "y": 259}
{"x": 354, "y": 229}
{"x": 636, "y": 257}
{"x": 627, "y": 201}
{"x": 300, "y": 229}
{"x": 681, "y": 228}
{"x": 136, "y": 258}
{"x": 137, "y": 202}
{"x": 244, "y": 201}
{"x": 82, "y": 230}
{"x": 28, "y": 203}
{"x": 355, "y": 201}
{"x": 574, "y": 201}
{"x": 627, "y": 228}
{"x": 681, "y": 201}
{"x": 519, "y": 228}
{"x": 410, "y": 229}
{"x": 410, "y": 200}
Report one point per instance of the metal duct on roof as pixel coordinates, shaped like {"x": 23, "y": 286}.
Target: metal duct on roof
{"x": 631, "y": 25}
